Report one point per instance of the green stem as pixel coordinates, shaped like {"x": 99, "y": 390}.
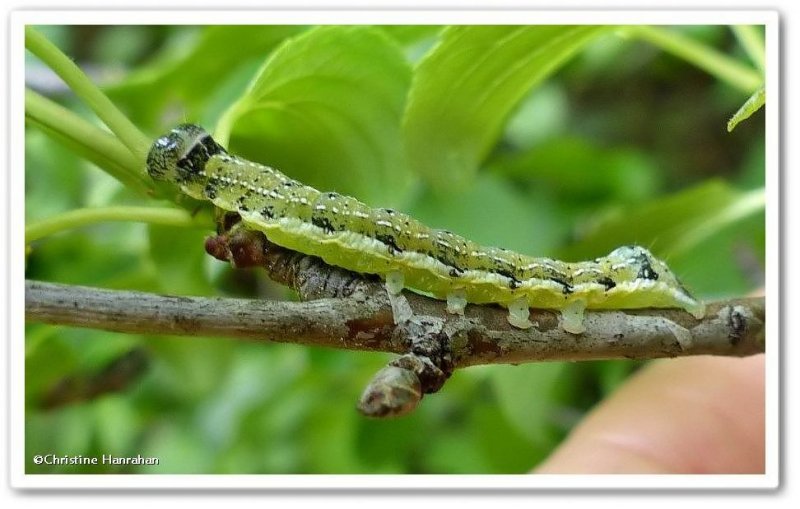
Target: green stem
{"x": 82, "y": 217}
{"x": 749, "y": 203}
{"x": 222, "y": 131}
{"x": 752, "y": 42}
{"x": 710, "y": 60}
{"x": 83, "y": 87}
{"x": 100, "y": 147}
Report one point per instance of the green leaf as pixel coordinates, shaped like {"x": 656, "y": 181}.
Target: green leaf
{"x": 326, "y": 109}
{"x": 55, "y": 179}
{"x": 719, "y": 65}
{"x": 531, "y": 396}
{"x": 729, "y": 263}
{"x": 212, "y": 57}
{"x": 455, "y": 452}
{"x": 331, "y": 433}
{"x": 70, "y": 430}
{"x": 751, "y": 37}
{"x": 752, "y": 105}
{"x": 408, "y": 35}
{"x": 171, "y": 80}
{"x": 179, "y": 257}
{"x": 466, "y": 87}
{"x": 86, "y": 140}
{"x": 494, "y": 213}
{"x": 389, "y": 456}
{"x": 259, "y": 377}
{"x": 609, "y": 375}
{"x": 48, "y": 359}
{"x": 672, "y": 224}
{"x": 180, "y": 448}
{"x": 682, "y": 228}
{"x": 190, "y": 370}
{"x": 741, "y": 206}
{"x": 505, "y": 449}
{"x": 117, "y": 423}
{"x": 583, "y": 171}
{"x": 541, "y": 116}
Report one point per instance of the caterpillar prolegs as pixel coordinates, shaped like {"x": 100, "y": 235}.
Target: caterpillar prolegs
{"x": 404, "y": 252}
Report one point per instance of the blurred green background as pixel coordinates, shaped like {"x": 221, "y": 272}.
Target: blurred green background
{"x": 496, "y": 133}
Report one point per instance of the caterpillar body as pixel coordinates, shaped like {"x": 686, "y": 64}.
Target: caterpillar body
{"x": 404, "y": 252}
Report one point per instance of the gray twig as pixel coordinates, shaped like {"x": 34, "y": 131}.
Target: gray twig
{"x": 353, "y": 311}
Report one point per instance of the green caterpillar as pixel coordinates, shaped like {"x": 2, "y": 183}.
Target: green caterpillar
{"x": 405, "y": 253}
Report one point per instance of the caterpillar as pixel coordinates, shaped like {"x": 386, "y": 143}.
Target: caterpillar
{"x": 404, "y": 252}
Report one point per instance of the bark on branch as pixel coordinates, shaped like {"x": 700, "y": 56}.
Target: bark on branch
{"x": 352, "y": 311}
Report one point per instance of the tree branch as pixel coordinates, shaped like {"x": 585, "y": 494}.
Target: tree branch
{"x": 354, "y": 311}
{"x": 731, "y": 328}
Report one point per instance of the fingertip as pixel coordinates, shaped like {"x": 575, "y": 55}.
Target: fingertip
{"x": 690, "y": 415}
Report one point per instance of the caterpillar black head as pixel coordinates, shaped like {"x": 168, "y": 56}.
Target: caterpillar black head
{"x": 180, "y": 155}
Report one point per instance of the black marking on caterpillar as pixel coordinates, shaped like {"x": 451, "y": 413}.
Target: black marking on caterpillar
{"x": 645, "y": 267}
{"x": 566, "y": 288}
{"x": 389, "y": 240}
{"x": 607, "y": 282}
{"x": 322, "y": 222}
{"x": 347, "y": 233}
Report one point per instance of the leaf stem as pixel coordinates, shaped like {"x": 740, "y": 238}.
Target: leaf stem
{"x": 752, "y": 42}
{"x": 83, "y": 217}
{"x": 710, "y": 60}
{"x": 747, "y": 204}
{"x": 83, "y": 87}
{"x": 97, "y": 145}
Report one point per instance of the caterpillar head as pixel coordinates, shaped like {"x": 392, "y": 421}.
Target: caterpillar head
{"x": 181, "y": 154}
{"x": 637, "y": 264}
